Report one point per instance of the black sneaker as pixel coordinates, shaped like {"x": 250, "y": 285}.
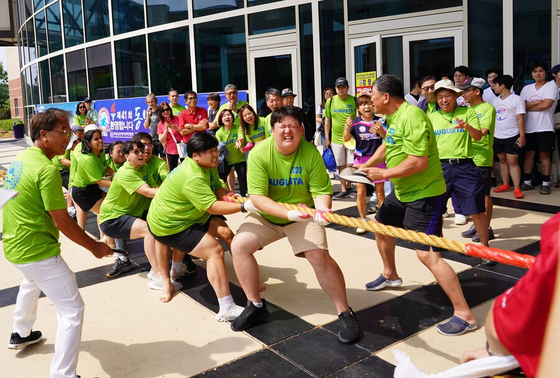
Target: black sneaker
{"x": 251, "y": 314}
{"x": 545, "y": 189}
{"x": 341, "y": 195}
{"x": 491, "y": 236}
{"x": 352, "y": 192}
{"x": 17, "y": 342}
{"x": 191, "y": 266}
{"x": 119, "y": 268}
{"x": 350, "y": 332}
{"x": 525, "y": 187}
{"x": 469, "y": 233}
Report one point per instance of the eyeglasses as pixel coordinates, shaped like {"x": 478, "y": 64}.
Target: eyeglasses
{"x": 149, "y": 145}
{"x": 428, "y": 87}
{"x": 165, "y": 110}
{"x": 192, "y": 98}
{"x": 137, "y": 151}
{"x": 64, "y": 133}
{"x": 81, "y": 107}
{"x": 231, "y": 93}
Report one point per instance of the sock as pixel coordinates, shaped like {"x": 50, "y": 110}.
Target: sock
{"x": 546, "y": 178}
{"x": 527, "y": 182}
{"x": 546, "y": 183}
{"x": 123, "y": 258}
{"x": 257, "y": 304}
{"x": 176, "y": 265}
{"x": 226, "y": 303}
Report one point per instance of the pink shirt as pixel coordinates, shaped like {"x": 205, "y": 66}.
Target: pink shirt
{"x": 171, "y": 146}
{"x": 188, "y": 117}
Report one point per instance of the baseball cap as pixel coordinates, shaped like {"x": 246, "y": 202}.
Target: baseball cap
{"x": 90, "y": 127}
{"x": 87, "y": 99}
{"x": 476, "y": 82}
{"x": 444, "y": 84}
{"x": 341, "y": 81}
{"x": 72, "y": 140}
{"x": 75, "y": 128}
{"x": 555, "y": 69}
{"x": 288, "y": 92}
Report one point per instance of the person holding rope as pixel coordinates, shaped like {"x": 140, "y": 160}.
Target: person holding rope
{"x": 413, "y": 166}
{"x": 285, "y": 168}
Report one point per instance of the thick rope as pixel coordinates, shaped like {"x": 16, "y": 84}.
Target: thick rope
{"x": 494, "y": 254}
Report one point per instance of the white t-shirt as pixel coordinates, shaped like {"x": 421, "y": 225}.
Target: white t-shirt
{"x": 541, "y": 120}
{"x": 411, "y": 99}
{"x": 506, "y": 115}
{"x": 488, "y": 95}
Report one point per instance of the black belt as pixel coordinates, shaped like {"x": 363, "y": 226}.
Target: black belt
{"x": 456, "y": 161}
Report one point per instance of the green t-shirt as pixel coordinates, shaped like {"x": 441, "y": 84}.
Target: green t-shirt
{"x": 338, "y": 110}
{"x": 57, "y": 160}
{"x": 176, "y": 110}
{"x": 261, "y": 133}
{"x": 409, "y": 132}
{"x": 183, "y": 199}
{"x": 484, "y": 148}
{"x": 122, "y": 198}
{"x": 111, "y": 164}
{"x": 268, "y": 125}
{"x": 158, "y": 169}
{"x": 295, "y": 178}
{"x": 229, "y": 138}
{"x": 29, "y": 232}
{"x": 90, "y": 169}
{"x": 239, "y": 104}
{"x": 74, "y": 163}
{"x": 80, "y": 120}
{"x": 454, "y": 143}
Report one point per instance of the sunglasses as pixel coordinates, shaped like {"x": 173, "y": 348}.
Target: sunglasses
{"x": 432, "y": 87}
{"x": 165, "y": 110}
{"x": 81, "y": 107}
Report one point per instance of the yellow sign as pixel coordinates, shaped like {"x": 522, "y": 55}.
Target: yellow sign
{"x": 364, "y": 82}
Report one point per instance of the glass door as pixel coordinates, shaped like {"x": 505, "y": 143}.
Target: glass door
{"x": 274, "y": 68}
{"x": 365, "y": 61}
{"x": 434, "y": 53}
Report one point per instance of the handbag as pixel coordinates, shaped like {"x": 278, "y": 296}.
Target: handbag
{"x": 180, "y": 146}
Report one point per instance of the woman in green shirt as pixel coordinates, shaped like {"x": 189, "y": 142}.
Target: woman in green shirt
{"x": 232, "y": 136}
{"x": 81, "y": 115}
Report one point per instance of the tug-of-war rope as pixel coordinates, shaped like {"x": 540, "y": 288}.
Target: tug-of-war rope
{"x": 494, "y": 254}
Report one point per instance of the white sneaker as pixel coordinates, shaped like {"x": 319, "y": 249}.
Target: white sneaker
{"x": 71, "y": 211}
{"x": 151, "y": 274}
{"x": 157, "y": 284}
{"x": 445, "y": 215}
{"x": 360, "y": 230}
{"x": 460, "y": 219}
{"x": 231, "y": 314}
{"x": 175, "y": 274}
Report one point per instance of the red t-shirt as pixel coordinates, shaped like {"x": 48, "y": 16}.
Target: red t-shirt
{"x": 521, "y": 313}
{"x": 187, "y": 117}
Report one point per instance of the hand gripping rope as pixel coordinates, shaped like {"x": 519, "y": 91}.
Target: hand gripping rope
{"x": 494, "y": 254}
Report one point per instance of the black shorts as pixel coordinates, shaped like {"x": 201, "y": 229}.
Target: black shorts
{"x": 465, "y": 180}
{"x": 65, "y": 176}
{"x": 506, "y": 145}
{"x": 188, "y": 239}
{"x": 86, "y": 197}
{"x": 423, "y": 215}
{"x": 486, "y": 174}
{"x": 542, "y": 142}
{"x": 118, "y": 228}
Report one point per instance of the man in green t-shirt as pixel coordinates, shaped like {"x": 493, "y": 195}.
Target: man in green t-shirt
{"x": 418, "y": 199}
{"x": 483, "y": 149}
{"x": 31, "y": 224}
{"x": 285, "y": 168}
{"x": 173, "y": 97}
{"x": 337, "y": 110}
{"x": 185, "y": 215}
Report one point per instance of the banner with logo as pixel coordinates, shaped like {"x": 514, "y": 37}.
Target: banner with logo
{"x": 364, "y": 82}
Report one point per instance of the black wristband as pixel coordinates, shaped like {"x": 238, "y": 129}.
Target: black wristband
{"x": 488, "y": 349}
{"x": 243, "y": 208}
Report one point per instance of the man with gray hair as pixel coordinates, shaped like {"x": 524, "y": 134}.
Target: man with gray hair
{"x": 273, "y": 98}
{"x": 233, "y": 104}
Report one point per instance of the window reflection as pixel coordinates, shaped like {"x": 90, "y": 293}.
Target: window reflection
{"x": 41, "y": 30}
{"x": 53, "y": 27}
{"x": 45, "y": 82}
{"x": 132, "y": 75}
{"x": 96, "y": 19}
{"x": 364, "y": 9}
{"x": 205, "y": 7}
{"x": 73, "y": 25}
{"x": 100, "y": 71}
{"x": 77, "y": 82}
{"x": 163, "y": 11}
{"x": 272, "y": 21}
{"x": 128, "y": 15}
{"x": 57, "y": 79}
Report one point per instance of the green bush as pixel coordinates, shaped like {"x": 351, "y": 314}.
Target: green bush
{"x": 6, "y": 124}
{"x": 5, "y": 113}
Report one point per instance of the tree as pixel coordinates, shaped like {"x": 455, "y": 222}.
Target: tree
{"x": 4, "y": 90}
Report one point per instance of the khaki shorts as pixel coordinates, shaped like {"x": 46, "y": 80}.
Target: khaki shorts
{"x": 303, "y": 236}
{"x": 342, "y": 155}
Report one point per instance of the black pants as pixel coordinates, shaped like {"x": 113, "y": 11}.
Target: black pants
{"x": 241, "y": 170}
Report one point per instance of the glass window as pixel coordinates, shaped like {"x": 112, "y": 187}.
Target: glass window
{"x": 128, "y": 15}
{"x": 73, "y": 24}
{"x": 205, "y": 7}
{"x": 53, "y": 27}
{"x": 45, "y": 82}
{"x": 20, "y": 13}
{"x": 57, "y": 79}
{"x": 28, "y": 87}
{"x": 485, "y": 36}
{"x": 39, "y": 4}
{"x": 34, "y": 82}
{"x": 363, "y": 9}
{"x": 96, "y": 19}
{"x": 272, "y": 20}
{"x": 221, "y": 55}
{"x": 531, "y": 38}
{"x": 28, "y": 8}
{"x": 77, "y": 82}
{"x": 25, "y": 45}
{"x": 170, "y": 62}
{"x": 307, "y": 99}
{"x": 41, "y": 30}
{"x": 100, "y": 71}
{"x": 163, "y": 11}
{"x": 132, "y": 70}
{"x": 252, "y": 3}
{"x": 31, "y": 40}
{"x": 432, "y": 57}
{"x": 392, "y": 56}
{"x": 333, "y": 50}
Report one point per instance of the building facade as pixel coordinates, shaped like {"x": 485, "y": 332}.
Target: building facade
{"x": 104, "y": 49}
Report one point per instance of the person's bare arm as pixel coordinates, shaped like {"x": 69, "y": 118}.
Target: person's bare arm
{"x": 411, "y": 165}
{"x": 521, "y": 123}
{"x": 71, "y": 229}
{"x": 65, "y": 162}
{"x": 327, "y": 133}
{"x": 104, "y": 183}
{"x": 269, "y": 206}
{"x": 476, "y": 134}
{"x": 377, "y": 158}
{"x": 147, "y": 191}
{"x": 539, "y": 105}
